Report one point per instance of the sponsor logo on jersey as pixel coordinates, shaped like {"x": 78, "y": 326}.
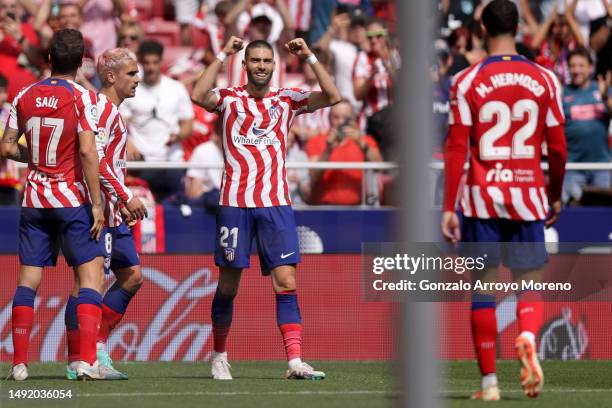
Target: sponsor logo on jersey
{"x": 501, "y": 175}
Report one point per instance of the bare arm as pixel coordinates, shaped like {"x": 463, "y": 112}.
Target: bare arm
{"x": 202, "y": 93}
{"x": 573, "y": 24}
{"x": 11, "y": 148}
{"x": 528, "y": 16}
{"x": 339, "y": 23}
{"x": 599, "y": 39}
{"x": 185, "y": 128}
{"x": 542, "y": 32}
{"x": 120, "y": 6}
{"x": 29, "y": 5}
{"x": 288, "y": 24}
{"x": 230, "y": 19}
{"x": 329, "y": 94}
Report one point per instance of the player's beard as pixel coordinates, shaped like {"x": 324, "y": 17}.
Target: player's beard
{"x": 255, "y": 80}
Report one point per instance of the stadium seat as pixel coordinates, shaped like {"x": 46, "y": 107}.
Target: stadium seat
{"x": 166, "y": 32}
{"x": 172, "y": 54}
{"x": 199, "y": 38}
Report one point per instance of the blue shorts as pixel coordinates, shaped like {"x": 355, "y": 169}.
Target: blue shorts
{"x": 119, "y": 248}
{"x": 43, "y": 231}
{"x": 273, "y": 227}
{"x": 519, "y": 245}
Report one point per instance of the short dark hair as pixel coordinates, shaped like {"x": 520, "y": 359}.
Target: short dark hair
{"x": 66, "y": 51}
{"x": 500, "y": 17}
{"x": 582, "y": 52}
{"x": 148, "y": 47}
{"x": 257, "y": 44}
{"x": 3, "y": 82}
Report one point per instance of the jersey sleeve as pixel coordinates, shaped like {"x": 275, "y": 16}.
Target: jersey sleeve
{"x": 222, "y": 95}
{"x": 13, "y": 119}
{"x": 298, "y": 99}
{"x": 459, "y": 112}
{"x": 87, "y": 111}
{"x": 554, "y": 115}
{"x": 108, "y": 179}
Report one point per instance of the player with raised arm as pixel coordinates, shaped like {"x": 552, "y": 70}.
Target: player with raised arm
{"x": 59, "y": 120}
{"x": 118, "y": 71}
{"x": 504, "y": 108}
{"x": 255, "y": 199}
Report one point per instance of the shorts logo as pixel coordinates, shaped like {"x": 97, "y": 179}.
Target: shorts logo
{"x": 107, "y": 263}
{"x": 230, "y": 254}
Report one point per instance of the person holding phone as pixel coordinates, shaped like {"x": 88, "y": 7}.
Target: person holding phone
{"x": 343, "y": 142}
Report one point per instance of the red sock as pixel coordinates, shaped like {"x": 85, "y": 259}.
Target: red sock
{"x": 21, "y": 323}
{"x": 110, "y": 319}
{"x": 530, "y": 312}
{"x": 89, "y": 317}
{"x": 484, "y": 334}
{"x": 219, "y": 337}
{"x": 292, "y": 338}
{"x": 74, "y": 345}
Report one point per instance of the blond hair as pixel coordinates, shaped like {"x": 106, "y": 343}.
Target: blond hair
{"x": 111, "y": 60}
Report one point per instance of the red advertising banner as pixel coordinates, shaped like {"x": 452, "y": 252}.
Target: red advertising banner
{"x": 169, "y": 319}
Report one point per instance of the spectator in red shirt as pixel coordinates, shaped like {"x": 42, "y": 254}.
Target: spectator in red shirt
{"x": 344, "y": 142}
{"x": 19, "y": 47}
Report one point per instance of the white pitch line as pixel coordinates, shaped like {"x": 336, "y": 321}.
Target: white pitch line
{"x": 212, "y": 393}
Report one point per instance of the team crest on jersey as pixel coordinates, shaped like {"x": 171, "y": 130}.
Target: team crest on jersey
{"x": 275, "y": 112}
{"x": 93, "y": 111}
{"x": 230, "y": 254}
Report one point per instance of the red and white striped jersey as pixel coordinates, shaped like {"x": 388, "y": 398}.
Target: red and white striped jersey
{"x": 52, "y": 113}
{"x": 237, "y": 76}
{"x": 313, "y": 121}
{"x": 299, "y": 10}
{"x": 379, "y": 96}
{"x": 112, "y": 150}
{"x": 255, "y": 144}
{"x": 508, "y": 103}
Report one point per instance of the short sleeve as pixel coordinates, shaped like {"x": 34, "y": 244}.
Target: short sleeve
{"x": 459, "y": 112}
{"x": 554, "y": 115}
{"x": 185, "y": 107}
{"x": 13, "y": 120}
{"x": 298, "y": 99}
{"x": 88, "y": 112}
{"x": 362, "y": 68}
{"x": 222, "y": 95}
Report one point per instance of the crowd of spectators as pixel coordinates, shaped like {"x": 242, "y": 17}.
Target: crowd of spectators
{"x": 175, "y": 40}
{"x": 573, "y": 38}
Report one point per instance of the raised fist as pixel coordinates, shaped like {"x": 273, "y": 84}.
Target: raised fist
{"x": 233, "y": 45}
{"x": 298, "y": 47}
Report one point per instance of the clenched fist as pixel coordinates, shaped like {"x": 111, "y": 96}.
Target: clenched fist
{"x": 233, "y": 45}
{"x": 298, "y": 47}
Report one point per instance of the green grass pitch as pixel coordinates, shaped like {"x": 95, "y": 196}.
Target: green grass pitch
{"x": 348, "y": 384}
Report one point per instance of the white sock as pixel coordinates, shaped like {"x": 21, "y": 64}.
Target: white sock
{"x": 100, "y": 345}
{"x": 295, "y": 363}
{"x": 73, "y": 365}
{"x": 529, "y": 335}
{"x": 488, "y": 380}
{"x": 215, "y": 354}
